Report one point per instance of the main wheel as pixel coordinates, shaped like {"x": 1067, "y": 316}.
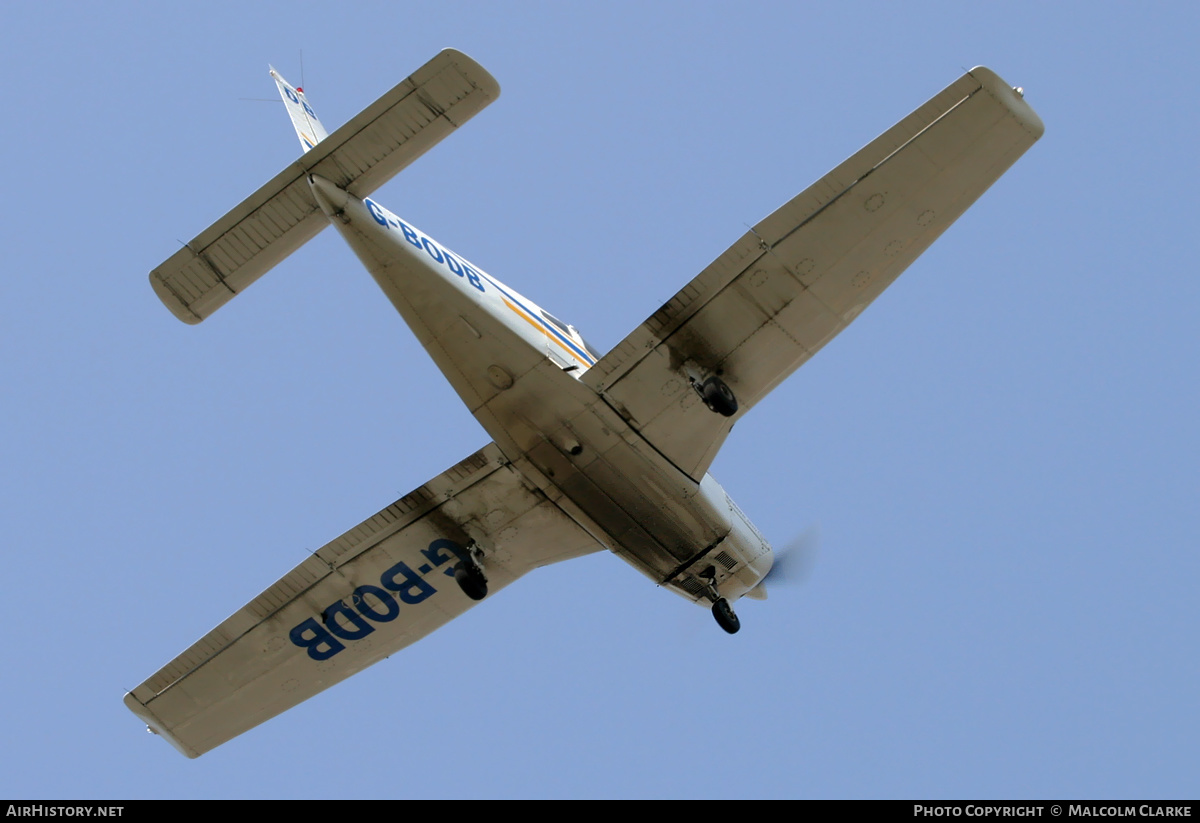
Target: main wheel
{"x": 727, "y": 619}
{"x": 471, "y": 581}
{"x": 719, "y": 397}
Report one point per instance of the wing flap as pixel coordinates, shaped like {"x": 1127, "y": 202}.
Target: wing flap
{"x": 374, "y": 590}
{"x": 361, "y": 156}
{"x": 794, "y": 281}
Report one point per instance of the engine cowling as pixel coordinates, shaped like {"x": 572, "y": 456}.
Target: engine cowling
{"x": 735, "y": 564}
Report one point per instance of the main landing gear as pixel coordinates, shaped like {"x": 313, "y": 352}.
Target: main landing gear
{"x": 712, "y": 390}
{"x": 718, "y": 396}
{"x": 469, "y": 576}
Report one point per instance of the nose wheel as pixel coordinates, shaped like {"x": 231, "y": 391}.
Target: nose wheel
{"x": 726, "y": 617}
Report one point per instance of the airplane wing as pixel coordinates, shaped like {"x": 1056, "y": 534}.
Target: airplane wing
{"x": 361, "y": 156}
{"x": 789, "y": 285}
{"x": 379, "y": 587}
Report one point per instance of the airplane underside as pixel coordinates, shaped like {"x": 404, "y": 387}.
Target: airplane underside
{"x": 589, "y": 452}
{"x": 561, "y": 435}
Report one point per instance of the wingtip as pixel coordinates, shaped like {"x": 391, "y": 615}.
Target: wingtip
{"x": 1013, "y": 97}
{"x": 172, "y": 301}
{"x": 156, "y": 727}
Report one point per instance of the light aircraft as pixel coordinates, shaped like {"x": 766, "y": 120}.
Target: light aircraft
{"x": 588, "y": 452}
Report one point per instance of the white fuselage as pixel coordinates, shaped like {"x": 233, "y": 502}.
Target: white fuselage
{"x": 517, "y": 369}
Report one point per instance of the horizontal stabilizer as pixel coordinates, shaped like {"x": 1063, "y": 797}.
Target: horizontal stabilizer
{"x": 359, "y": 157}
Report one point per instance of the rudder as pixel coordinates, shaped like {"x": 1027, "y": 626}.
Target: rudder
{"x": 304, "y": 119}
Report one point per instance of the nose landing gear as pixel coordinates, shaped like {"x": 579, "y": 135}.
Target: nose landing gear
{"x": 724, "y": 614}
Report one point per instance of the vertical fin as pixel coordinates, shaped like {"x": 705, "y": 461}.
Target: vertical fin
{"x": 304, "y": 119}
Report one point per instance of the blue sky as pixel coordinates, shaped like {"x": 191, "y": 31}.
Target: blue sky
{"x": 1001, "y": 454}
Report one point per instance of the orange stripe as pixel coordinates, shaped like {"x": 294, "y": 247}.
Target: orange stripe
{"x": 538, "y": 326}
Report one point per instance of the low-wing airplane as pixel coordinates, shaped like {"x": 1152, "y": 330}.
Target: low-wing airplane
{"x": 588, "y": 452}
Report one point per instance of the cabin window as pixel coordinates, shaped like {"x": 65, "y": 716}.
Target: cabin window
{"x": 562, "y": 327}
